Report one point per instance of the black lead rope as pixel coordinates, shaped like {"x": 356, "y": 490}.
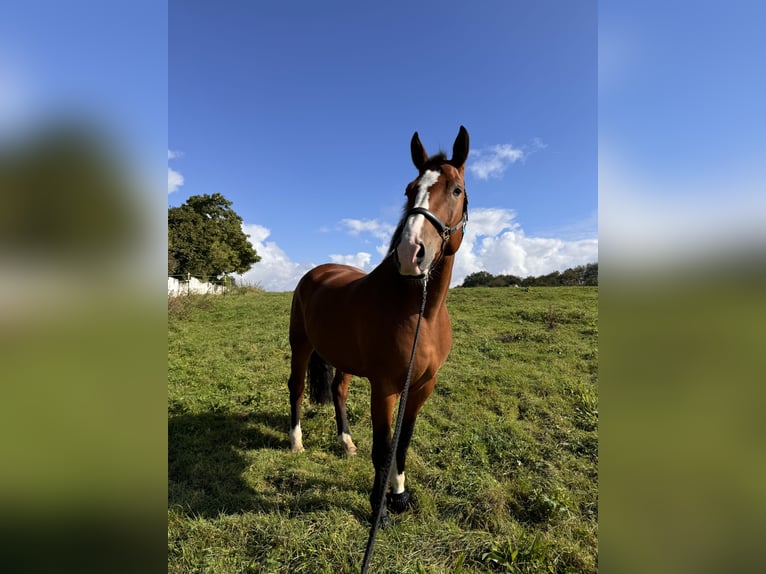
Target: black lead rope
{"x": 394, "y": 442}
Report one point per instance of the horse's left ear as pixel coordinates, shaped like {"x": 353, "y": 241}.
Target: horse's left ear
{"x": 460, "y": 148}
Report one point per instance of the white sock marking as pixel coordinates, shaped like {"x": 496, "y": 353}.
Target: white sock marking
{"x": 397, "y": 483}
{"x": 296, "y": 438}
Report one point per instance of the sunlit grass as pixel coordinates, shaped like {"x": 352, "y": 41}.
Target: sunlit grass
{"x": 503, "y": 462}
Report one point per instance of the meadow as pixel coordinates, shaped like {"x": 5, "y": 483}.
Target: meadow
{"x": 503, "y": 463}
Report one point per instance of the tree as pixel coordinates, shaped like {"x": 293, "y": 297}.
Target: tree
{"x": 549, "y": 280}
{"x": 590, "y": 274}
{"x": 580, "y": 275}
{"x": 571, "y": 277}
{"x": 504, "y": 281}
{"x": 205, "y": 239}
{"x": 478, "y": 279}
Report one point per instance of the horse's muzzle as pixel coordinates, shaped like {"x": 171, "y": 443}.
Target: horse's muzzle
{"x": 416, "y": 273}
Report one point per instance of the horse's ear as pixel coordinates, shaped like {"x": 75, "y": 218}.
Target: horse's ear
{"x": 419, "y": 155}
{"x": 460, "y": 148}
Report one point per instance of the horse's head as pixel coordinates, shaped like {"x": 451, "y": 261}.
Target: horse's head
{"x": 437, "y": 209}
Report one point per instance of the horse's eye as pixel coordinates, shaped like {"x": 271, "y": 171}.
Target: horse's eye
{"x": 457, "y": 191}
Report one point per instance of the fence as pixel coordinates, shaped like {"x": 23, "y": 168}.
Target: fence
{"x": 186, "y": 285}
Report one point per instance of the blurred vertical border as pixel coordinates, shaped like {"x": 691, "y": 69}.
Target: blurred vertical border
{"x": 682, "y": 307}
{"x": 83, "y": 344}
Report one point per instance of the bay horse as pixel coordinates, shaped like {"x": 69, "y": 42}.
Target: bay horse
{"x": 364, "y": 324}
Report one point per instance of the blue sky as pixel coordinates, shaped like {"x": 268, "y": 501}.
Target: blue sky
{"x": 302, "y": 116}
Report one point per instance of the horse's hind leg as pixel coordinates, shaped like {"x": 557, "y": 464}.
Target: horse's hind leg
{"x": 339, "y": 395}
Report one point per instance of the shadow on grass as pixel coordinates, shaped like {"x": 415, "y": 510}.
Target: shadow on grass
{"x": 208, "y": 461}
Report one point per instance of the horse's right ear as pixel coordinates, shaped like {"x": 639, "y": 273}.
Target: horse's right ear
{"x": 460, "y": 148}
{"x": 419, "y": 155}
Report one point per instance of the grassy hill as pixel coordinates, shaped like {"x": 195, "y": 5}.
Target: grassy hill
{"x": 503, "y": 462}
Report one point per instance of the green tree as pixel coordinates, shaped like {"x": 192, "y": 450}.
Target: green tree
{"x": 590, "y": 274}
{"x": 205, "y": 239}
{"x": 571, "y": 277}
{"x": 504, "y": 281}
{"x": 478, "y": 279}
{"x": 549, "y": 280}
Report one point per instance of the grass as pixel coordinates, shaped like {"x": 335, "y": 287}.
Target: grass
{"x": 503, "y": 462}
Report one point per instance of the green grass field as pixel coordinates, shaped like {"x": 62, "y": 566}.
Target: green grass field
{"x": 503, "y": 462}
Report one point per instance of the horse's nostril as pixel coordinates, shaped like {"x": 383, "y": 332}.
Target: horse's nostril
{"x": 421, "y": 252}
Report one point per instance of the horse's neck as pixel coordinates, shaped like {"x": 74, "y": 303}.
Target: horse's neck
{"x": 385, "y": 283}
{"x": 438, "y": 286}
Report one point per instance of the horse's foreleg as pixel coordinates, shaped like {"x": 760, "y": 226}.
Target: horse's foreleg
{"x": 339, "y": 395}
{"x": 399, "y": 500}
{"x": 381, "y": 407}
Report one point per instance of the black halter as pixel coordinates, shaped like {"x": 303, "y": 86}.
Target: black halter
{"x": 443, "y": 230}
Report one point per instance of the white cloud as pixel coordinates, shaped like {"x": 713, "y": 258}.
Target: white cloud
{"x": 491, "y": 162}
{"x": 494, "y": 242}
{"x": 275, "y": 271}
{"x": 175, "y": 179}
{"x": 494, "y": 161}
{"x": 361, "y": 260}
{"x": 514, "y": 253}
{"x": 377, "y": 229}
{"x": 489, "y": 221}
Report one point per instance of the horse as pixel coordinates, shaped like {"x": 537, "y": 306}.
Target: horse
{"x": 364, "y": 324}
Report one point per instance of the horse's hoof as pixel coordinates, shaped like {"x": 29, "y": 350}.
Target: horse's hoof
{"x": 348, "y": 445}
{"x": 385, "y": 521}
{"x": 398, "y": 503}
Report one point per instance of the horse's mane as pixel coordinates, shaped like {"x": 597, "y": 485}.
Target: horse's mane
{"x": 397, "y": 233}
{"x": 435, "y": 161}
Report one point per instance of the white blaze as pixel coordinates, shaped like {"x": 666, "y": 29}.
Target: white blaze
{"x": 429, "y": 178}
{"x": 414, "y": 226}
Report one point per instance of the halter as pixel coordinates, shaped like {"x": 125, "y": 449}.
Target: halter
{"x": 444, "y": 231}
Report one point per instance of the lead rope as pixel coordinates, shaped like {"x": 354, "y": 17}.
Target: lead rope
{"x": 395, "y": 441}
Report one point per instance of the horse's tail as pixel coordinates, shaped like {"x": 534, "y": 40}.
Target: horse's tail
{"x": 320, "y": 380}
